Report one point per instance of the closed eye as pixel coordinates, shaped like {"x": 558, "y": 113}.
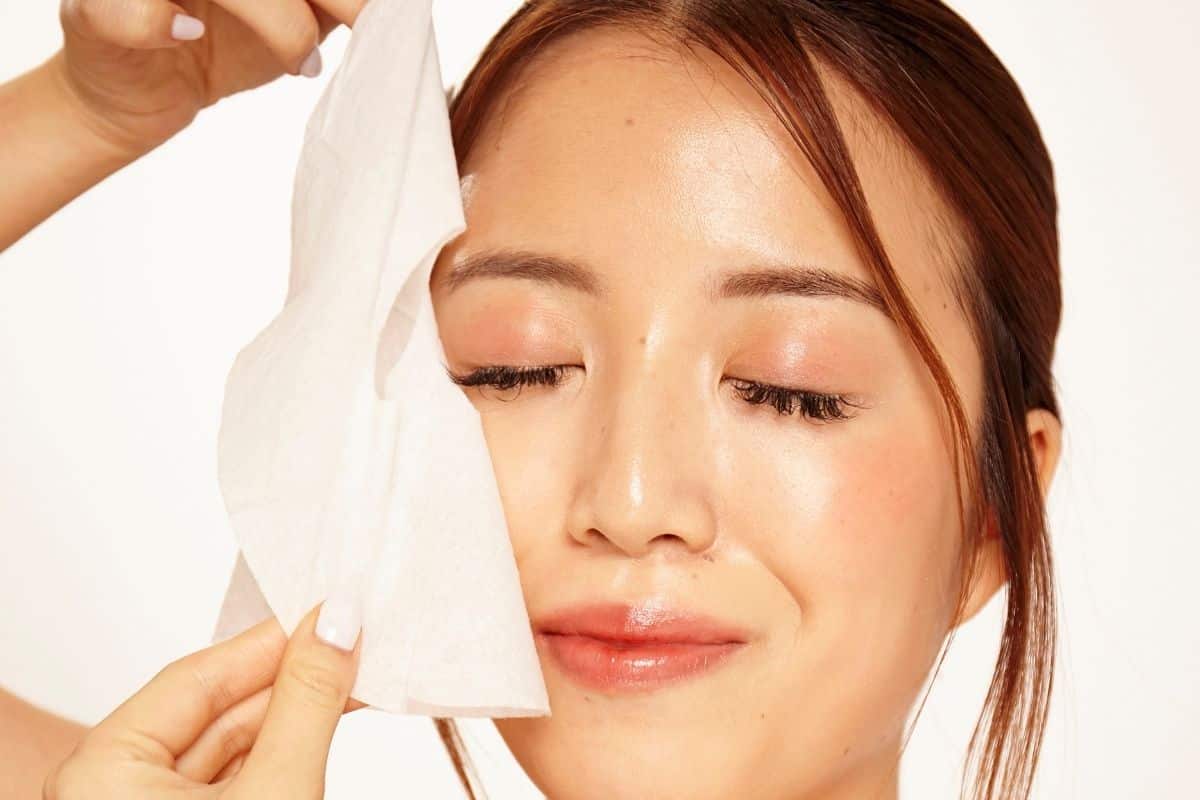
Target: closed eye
{"x": 505, "y": 377}
{"x": 817, "y": 406}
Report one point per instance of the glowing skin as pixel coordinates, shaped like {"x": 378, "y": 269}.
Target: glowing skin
{"x": 644, "y": 475}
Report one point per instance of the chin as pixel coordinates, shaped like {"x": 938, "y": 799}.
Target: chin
{"x": 568, "y": 758}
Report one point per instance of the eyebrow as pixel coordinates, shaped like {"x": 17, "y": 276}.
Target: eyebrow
{"x": 754, "y": 281}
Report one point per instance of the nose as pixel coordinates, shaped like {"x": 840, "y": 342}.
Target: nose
{"x": 647, "y": 470}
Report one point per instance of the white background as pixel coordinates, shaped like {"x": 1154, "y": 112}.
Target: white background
{"x": 120, "y": 316}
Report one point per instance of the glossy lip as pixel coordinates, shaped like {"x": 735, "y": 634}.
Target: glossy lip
{"x": 620, "y": 647}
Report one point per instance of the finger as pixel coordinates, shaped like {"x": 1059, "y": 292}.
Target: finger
{"x": 289, "y": 28}
{"x": 307, "y": 701}
{"x": 135, "y": 24}
{"x": 326, "y": 22}
{"x": 235, "y": 765}
{"x": 231, "y": 769}
{"x": 344, "y": 11}
{"x": 229, "y": 737}
{"x": 188, "y": 694}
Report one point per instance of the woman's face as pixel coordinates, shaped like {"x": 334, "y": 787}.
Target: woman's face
{"x": 647, "y": 477}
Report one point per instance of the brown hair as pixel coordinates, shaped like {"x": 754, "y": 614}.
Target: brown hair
{"x": 925, "y": 71}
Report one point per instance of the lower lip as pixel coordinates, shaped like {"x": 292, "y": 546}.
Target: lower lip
{"x": 631, "y": 666}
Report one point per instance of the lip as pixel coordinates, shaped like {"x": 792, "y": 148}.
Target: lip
{"x": 621, "y": 647}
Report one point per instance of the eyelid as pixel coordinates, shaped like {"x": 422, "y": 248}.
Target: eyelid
{"x": 820, "y": 407}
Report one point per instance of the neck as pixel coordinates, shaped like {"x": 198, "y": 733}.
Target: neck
{"x": 879, "y": 781}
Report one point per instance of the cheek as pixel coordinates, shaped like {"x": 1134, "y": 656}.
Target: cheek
{"x": 531, "y": 471}
{"x": 864, "y": 542}
{"x": 851, "y": 516}
{"x": 890, "y": 534}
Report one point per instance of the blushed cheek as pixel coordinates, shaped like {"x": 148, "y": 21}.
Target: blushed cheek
{"x": 860, "y": 529}
{"x": 890, "y": 547}
{"x": 845, "y": 511}
{"x": 894, "y": 516}
{"x": 842, "y": 527}
{"x": 865, "y": 560}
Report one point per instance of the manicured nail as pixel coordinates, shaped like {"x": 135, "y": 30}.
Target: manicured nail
{"x": 311, "y": 67}
{"x": 184, "y": 27}
{"x": 339, "y": 620}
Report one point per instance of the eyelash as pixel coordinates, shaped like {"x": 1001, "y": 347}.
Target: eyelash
{"x": 817, "y": 406}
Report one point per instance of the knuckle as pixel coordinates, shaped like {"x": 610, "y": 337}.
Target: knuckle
{"x": 269, "y": 650}
{"x": 169, "y": 672}
{"x": 193, "y": 670}
{"x": 298, "y": 35}
{"x": 127, "y": 21}
{"x": 234, "y": 737}
{"x": 215, "y": 695}
{"x": 173, "y": 668}
{"x": 82, "y": 13}
{"x": 140, "y": 20}
{"x": 315, "y": 682}
{"x": 174, "y": 671}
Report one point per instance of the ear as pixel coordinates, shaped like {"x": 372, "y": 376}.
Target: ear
{"x": 1045, "y": 441}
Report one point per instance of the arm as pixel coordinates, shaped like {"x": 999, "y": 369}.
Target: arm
{"x": 33, "y": 742}
{"x": 131, "y": 74}
{"x": 51, "y": 149}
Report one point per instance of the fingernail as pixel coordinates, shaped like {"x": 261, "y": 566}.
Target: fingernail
{"x": 339, "y": 621}
{"x": 311, "y": 67}
{"x": 184, "y": 27}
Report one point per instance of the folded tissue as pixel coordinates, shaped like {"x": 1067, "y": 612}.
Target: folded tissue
{"x": 346, "y": 456}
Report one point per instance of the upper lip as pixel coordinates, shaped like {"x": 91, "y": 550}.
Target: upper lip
{"x": 647, "y": 622}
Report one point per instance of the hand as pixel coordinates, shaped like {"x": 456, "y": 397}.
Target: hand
{"x": 143, "y": 69}
{"x": 187, "y": 732}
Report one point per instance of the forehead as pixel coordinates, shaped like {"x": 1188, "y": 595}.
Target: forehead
{"x": 655, "y": 164}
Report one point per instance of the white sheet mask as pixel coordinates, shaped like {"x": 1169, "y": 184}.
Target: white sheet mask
{"x": 346, "y": 456}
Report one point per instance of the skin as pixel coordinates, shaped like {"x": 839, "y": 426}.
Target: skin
{"x": 119, "y": 87}
{"x": 251, "y": 717}
{"x": 644, "y": 475}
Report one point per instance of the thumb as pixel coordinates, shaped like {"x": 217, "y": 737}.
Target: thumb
{"x": 318, "y": 669}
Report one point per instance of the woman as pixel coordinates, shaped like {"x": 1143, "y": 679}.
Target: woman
{"x": 757, "y": 301}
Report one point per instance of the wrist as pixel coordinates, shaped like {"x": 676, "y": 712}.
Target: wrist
{"x": 52, "y": 149}
{"x": 89, "y": 129}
